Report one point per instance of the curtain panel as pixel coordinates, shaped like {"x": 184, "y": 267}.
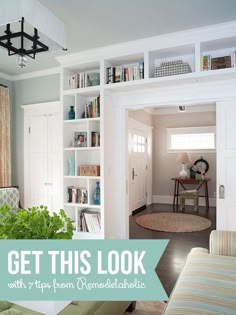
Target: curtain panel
{"x": 5, "y": 151}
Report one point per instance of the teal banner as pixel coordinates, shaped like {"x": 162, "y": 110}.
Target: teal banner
{"x": 55, "y": 270}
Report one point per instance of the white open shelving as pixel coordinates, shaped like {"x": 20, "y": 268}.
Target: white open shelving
{"x": 82, "y": 155}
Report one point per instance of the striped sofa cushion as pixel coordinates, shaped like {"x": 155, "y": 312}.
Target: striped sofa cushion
{"x": 207, "y": 286}
{"x": 223, "y": 243}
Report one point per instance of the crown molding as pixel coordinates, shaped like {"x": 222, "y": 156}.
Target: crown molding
{"x": 5, "y": 76}
{"x": 30, "y": 75}
{"x": 35, "y": 74}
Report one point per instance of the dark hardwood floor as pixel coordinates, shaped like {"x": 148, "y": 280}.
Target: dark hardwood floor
{"x": 180, "y": 244}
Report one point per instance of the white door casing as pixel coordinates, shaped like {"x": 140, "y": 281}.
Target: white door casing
{"x": 226, "y": 162}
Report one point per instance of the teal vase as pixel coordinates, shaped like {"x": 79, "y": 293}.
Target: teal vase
{"x": 96, "y": 195}
{"x": 71, "y": 113}
{"x": 71, "y": 163}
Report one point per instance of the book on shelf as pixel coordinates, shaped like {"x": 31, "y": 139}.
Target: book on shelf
{"x": 125, "y": 73}
{"x": 90, "y": 221}
{"x": 92, "y": 108}
{"x": 95, "y": 139}
{"x": 118, "y": 74}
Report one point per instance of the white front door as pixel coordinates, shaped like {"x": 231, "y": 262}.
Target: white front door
{"x": 138, "y": 169}
{"x": 226, "y": 165}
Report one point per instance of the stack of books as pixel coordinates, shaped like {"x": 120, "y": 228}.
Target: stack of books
{"x": 77, "y": 195}
{"x": 92, "y": 108}
{"x": 125, "y": 73}
{"x": 83, "y": 79}
{"x": 90, "y": 221}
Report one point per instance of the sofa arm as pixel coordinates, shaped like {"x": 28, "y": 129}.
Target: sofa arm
{"x": 223, "y": 243}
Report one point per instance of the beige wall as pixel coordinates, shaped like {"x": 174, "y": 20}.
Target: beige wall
{"x": 164, "y": 163}
{"x": 141, "y": 116}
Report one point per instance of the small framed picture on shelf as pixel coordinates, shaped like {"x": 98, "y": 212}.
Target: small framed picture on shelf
{"x": 80, "y": 139}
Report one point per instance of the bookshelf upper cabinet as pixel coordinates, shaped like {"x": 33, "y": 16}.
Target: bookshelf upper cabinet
{"x": 218, "y": 54}
{"x": 171, "y": 61}
{"x": 123, "y": 69}
{"x": 81, "y": 77}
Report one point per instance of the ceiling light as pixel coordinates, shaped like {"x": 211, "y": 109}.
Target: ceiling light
{"x": 38, "y": 31}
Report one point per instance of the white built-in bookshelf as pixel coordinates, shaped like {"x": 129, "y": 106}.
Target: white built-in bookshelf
{"x": 87, "y": 120}
{"x": 140, "y": 59}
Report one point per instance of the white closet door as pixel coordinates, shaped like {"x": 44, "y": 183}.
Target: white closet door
{"x": 226, "y": 162}
{"x": 54, "y": 162}
{"x": 43, "y": 156}
{"x": 38, "y": 166}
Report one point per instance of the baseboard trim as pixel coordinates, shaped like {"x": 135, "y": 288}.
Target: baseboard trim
{"x": 138, "y": 210}
{"x": 169, "y": 200}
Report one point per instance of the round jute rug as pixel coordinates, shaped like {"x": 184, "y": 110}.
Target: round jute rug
{"x": 173, "y": 222}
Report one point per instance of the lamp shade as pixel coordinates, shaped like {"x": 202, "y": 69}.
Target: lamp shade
{"x": 183, "y": 158}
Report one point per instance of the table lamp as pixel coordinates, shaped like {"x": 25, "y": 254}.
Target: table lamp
{"x": 183, "y": 158}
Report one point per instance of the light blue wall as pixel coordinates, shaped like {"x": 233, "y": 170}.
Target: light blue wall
{"x": 25, "y": 92}
{"x": 9, "y": 84}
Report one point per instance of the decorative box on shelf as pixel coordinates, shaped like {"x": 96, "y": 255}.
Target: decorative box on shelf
{"x": 172, "y": 68}
{"x": 89, "y": 170}
{"x": 221, "y": 62}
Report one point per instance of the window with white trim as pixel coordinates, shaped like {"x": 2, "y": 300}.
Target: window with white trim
{"x": 138, "y": 144}
{"x": 191, "y": 139}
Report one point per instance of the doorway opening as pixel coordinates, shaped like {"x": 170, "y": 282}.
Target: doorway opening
{"x": 164, "y": 166}
{"x": 153, "y": 167}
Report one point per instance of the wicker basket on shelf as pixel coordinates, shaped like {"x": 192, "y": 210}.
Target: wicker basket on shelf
{"x": 89, "y": 170}
{"x": 172, "y": 68}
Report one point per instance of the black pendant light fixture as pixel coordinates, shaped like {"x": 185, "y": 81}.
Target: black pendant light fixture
{"x": 37, "y": 31}
{"x": 36, "y": 45}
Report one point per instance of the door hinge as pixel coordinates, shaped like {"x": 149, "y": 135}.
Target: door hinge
{"x": 29, "y": 129}
{"x": 146, "y": 167}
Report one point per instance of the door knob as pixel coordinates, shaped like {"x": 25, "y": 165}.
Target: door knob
{"x": 133, "y": 173}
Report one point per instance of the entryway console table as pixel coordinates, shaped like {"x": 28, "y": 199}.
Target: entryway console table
{"x": 190, "y": 181}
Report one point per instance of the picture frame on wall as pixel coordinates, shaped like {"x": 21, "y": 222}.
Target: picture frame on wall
{"x": 80, "y": 139}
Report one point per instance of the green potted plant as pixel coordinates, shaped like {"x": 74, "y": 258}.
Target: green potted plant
{"x": 34, "y": 223}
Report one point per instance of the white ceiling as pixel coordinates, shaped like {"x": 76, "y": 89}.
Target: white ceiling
{"x": 95, "y": 23}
